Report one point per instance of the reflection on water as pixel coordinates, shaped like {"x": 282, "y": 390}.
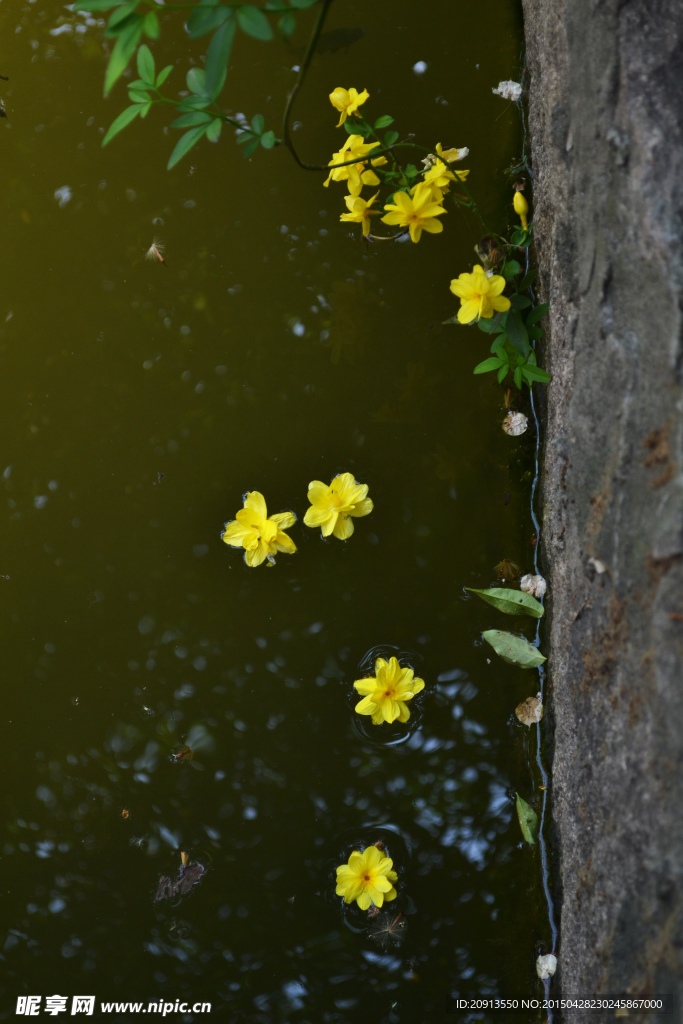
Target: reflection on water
{"x": 270, "y": 349}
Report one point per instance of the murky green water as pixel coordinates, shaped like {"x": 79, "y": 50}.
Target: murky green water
{"x": 139, "y": 402}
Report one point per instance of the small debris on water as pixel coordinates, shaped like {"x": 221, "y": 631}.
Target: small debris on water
{"x": 508, "y": 90}
{"x": 515, "y": 423}
{"x": 546, "y": 966}
{"x": 534, "y": 585}
{"x": 530, "y": 710}
{"x": 188, "y": 877}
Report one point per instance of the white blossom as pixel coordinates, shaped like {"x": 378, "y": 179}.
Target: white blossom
{"x": 508, "y": 91}
{"x": 534, "y": 585}
{"x": 515, "y": 423}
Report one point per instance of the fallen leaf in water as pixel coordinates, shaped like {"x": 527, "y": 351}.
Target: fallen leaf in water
{"x": 513, "y": 649}
{"x": 512, "y": 602}
{"x": 515, "y": 423}
{"x": 528, "y": 820}
{"x": 188, "y": 876}
{"x": 507, "y": 570}
{"x": 546, "y": 966}
{"x": 530, "y": 710}
{"x": 534, "y": 585}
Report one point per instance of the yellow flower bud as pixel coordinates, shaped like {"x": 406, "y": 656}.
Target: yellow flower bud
{"x": 521, "y": 208}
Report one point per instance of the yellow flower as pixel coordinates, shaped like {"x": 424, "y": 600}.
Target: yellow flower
{"x": 434, "y": 191}
{"x": 332, "y": 507}
{"x": 385, "y": 695}
{"x": 418, "y": 213}
{"x": 367, "y": 878}
{"x": 347, "y": 102}
{"x": 439, "y": 174}
{"x": 360, "y": 212}
{"x": 452, "y": 155}
{"x": 479, "y": 295}
{"x": 358, "y": 174}
{"x": 260, "y": 536}
{"x": 521, "y": 208}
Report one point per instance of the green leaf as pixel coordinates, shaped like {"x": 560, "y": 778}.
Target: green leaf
{"x": 94, "y": 5}
{"x": 520, "y": 301}
{"x": 217, "y": 57}
{"x": 146, "y": 107}
{"x": 213, "y": 132}
{"x": 251, "y": 146}
{"x": 257, "y": 123}
{"x": 494, "y": 363}
{"x": 146, "y": 69}
{"x": 119, "y": 15}
{"x": 163, "y": 75}
{"x": 383, "y": 122}
{"x": 287, "y": 24}
{"x": 536, "y": 373}
{"x": 528, "y": 279}
{"x": 502, "y": 373}
{"x": 537, "y": 313}
{"x": 192, "y": 119}
{"x": 124, "y": 49}
{"x": 535, "y": 332}
{"x": 245, "y": 135}
{"x": 268, "y": 140}
{"x": 185, "y": 144}
{"x": 354, "y": 127}
{"x": 300, "y": 4}
{"x": 513, "y": 649}
{"x": 517, "y": 377}
{"x": 390, "y": 138}
{"x": 253, "y": 21}
{"x": 510, "y": 269}
{"x": 498, "y": 348}
{"x": 512, "y": 602}
{"x": 528, "y": 820}
{"x": 124, "y": 119}
{"x": 196, "y": 81}
{"x": 193, "y": 103}
{"x": 151, "y": 25}
{"x": 205, "y": 18}
{"x": 489, "y": 325}
{"x": 516, "y": 332}
{"x": 138, "y": 95}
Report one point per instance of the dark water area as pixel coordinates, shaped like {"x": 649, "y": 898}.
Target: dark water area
{"x": 140, "y": 401}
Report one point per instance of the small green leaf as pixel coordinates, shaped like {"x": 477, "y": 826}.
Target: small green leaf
{"x": 94, "y": 5}
{"x": 513, "y": 649}
{"x": 217, "y": 57}
{"x": 196, "y": 81}
{"x": 163, "y": 75}
{"x": 516, "y": 332}
{"x": 355, "y": 127}
{"x": 213, "y": 132}
{"x": 257, "y": 123}
{"x": 119, "y": 15}
{"x": 520, "y": 301}
{"x": 138, "y": 95}
{"x": 528, "y": 279}
{"x": 512, "y": 602}
{"x": 268, "y": 140}
{"x": 146, "y": 69}
{"x": 146, "y": 107}
{"x": 251, "y": 146}
{"x": 124, "y": 48}
{"x": 498, "y": 348}
{"x": 489, "y": 325}
{"x": 253, "y": 21}
{"x": 287, "y": 24}
{"x": 494, "y": 363}
{"x": 244, "y": 136}
{"x": 390, "y": 138}
{"x": 517, "y": 377}
{"x": 193, "y": 103}
{"x": 192, "y": 119}
{"x": 151, "y": 25}
{"x": 205, "y": 18}
{"x": 510, "y": 269}
{"x": 502, "y": 373}
{"x": 537, "y": 313}
{"x": 383, "y": 122}
{"x": 124, "y": 119}
{"x": 528, "y": 820}
{"x": 185, "y": 144}
{"x": 300, "y": 4}
{"x": 535, "y": 332}
{"x": 536, "y": 373}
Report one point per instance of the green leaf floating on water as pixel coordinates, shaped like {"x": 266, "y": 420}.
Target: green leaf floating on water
{"x": 513, "y": 649}
{"x": 528, "y": 820}
{"x": 512, "y": 602}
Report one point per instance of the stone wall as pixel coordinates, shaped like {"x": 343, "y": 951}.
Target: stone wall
{"x": 606, "y": 130}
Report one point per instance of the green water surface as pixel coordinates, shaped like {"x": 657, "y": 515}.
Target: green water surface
{"x": 139, "y": 403}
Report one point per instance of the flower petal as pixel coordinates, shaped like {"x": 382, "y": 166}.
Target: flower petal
{"x": 234, "y": 534}
{"x": 254, "y": 556}
{"x": 366, "y": 706}
{"x": 365, "y": 686}
{"x": 362, "y": 508}
{"x": 255, "y": 500}
{"x": 468, "y": 312}
{"x": 316, "y": 516}
{"x": 284, "y": 519}
{"x": 318, "y": 494}
{"x": 343, "y": 527}
{"x": 284, "y": 543}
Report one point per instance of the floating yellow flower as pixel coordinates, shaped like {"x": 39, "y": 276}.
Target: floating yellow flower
{"x": 260, "y": 536}
{"x": 367, "y": 878}
{"x": 358, "y": 174}
{"x": 521, "y": 208}
{"x": 360, "y": 212}
{"x": 347, "y": 102}
{"x": 417, "y": 213}
{"x": 332, "y": 507}
{"x": 479, "y": 295}
{"x": 386, "y": 693}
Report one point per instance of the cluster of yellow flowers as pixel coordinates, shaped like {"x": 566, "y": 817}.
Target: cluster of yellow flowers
{"x": 416, "y": 210}
{"x": 332, "y": 508}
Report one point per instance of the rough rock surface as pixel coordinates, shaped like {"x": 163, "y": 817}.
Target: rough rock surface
{"x": 606, "y": 133}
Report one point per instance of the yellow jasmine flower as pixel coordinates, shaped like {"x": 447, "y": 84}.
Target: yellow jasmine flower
{"x": 260, "y": 536}
{"x": 386, "y": 693}
{"x": 332, "y": 507}
{"x": 347, "y": 102}
{"x": 435, "y": 192}
{"x": 452, "y": 155}
{"x": 521, "y": 208}
{"x": 479, "y": 295}
{"x": 367, "y": 878}
{"x": 360, "y": 212}
{"x": 416, "y": 213}
{"x": 358, "y": 174}
{"x": 439, "y": 174}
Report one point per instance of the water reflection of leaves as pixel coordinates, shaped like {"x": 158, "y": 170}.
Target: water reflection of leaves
{"x": 404, "y": 406}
